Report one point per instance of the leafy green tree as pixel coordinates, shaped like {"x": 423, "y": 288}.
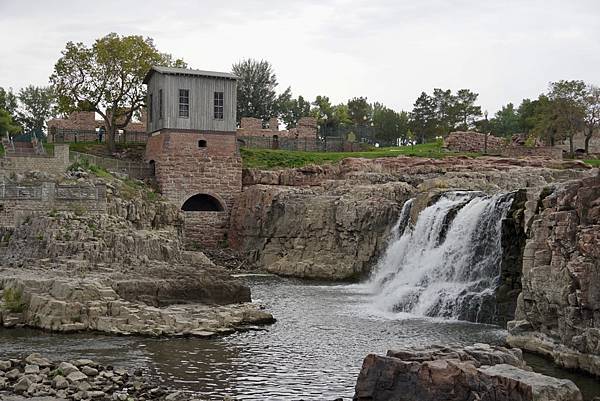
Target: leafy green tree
{"x": 389, "y": 125}
{"x": 256, "y": 96}
{"x": 423, "y": 118}
{"x": 322, "y": 110}
{"x": 360, "y": 111}
{"x": 290, "y": 109}
{"x": 107, "y": 78}
{"x": 527, "y": 112}
{"x": 547, "y": 122}
{"x": 568, "y": 100}
{"x": 8, "y": 101}
{"x": 38, "y": 104}
{"x": 464, "y": 111}
{"x": 8, "y": 108}
{"x": 592, "y": 116}
{"x": 506, "y": 121}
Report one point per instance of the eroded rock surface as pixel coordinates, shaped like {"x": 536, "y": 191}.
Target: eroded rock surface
{"x": 124, "y": 272}
{"x": 558, "y": 311}
{"x": 333, "y": 221}
{"x": 480, "y": 372}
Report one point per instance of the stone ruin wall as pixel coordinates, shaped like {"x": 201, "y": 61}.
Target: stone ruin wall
{"x": 54, "y": 164}
{"x": 253, "y": 127}
{"x": 18, "y": 201}
{"x": 469, "y": 141}
{"x": 84, "y": 123}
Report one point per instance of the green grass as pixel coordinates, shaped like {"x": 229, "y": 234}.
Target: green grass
{"x": 271, "y": 159}
{"x": 593, "y": 162}
{"x": 1, "y": 150}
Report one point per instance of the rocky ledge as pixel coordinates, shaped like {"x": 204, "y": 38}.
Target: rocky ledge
{"x": 333, "y": 221}
{"x": 38, "y": 378}
{"x": 476, "y": 373}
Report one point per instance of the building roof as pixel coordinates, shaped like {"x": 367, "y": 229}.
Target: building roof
{"x": 187, "y": 71}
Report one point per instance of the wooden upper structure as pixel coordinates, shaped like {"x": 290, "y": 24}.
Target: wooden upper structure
{"x": 190, "y": 100}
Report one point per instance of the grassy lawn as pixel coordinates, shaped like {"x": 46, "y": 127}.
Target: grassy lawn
{"x": 269, "y": 159}
{"x": 593, "y": 162}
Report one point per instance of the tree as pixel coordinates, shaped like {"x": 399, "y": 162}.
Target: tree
{"x": 506, "y": 121}
{"x": 568, "y": 100}
{"x": 38, "y": 104}
{"x": 389, "y": 125}
{"x": 546, "y": 121}
{"x": 423, "y": 118}
{"x": 445, "y": 111}
{"x": 360, "y": 111}
{"x": 592, "y": 116}
{"x": 8, "y": 107}
{"x": 464, "y": 109}
{"x": 107, "y": 78}
{"x": 527, "y": 114}
{"x": 256, "y": 95}
{"x": 290, "y": 110}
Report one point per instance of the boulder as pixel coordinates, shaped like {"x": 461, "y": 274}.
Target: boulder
{"x": 445, "y": 374}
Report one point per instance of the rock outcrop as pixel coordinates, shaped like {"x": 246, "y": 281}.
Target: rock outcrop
{"x": 558, "y": 311}
{"x": 479, "y": 372}
{"x": 123, "y": 272}
{"x": 333, "y": 221}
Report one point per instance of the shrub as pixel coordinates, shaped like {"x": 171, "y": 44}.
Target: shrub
{"x": 13, "y": 300}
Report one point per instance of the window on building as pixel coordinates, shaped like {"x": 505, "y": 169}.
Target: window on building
{"x": 201, "y": 143}
{"x": 160, "y": 105}
{"x": 184, "y": 103}
{"x": 218, "y": 105}
{"x": 150, "y": 107}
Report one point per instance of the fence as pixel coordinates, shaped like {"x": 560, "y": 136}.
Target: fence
{"x": 131, "y": 169}
{"x": 60, "y": 135}
{"x": 326, "y": 144}
{"x": 358, "y": 134}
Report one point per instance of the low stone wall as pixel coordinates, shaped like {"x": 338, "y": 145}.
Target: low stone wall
{"x": 54, "y": 164}
{"x": 523, "y": 151}
{"x": 471, "y": 142}
{"x": 205, "y": 229}
{"x": 19, "y": 201}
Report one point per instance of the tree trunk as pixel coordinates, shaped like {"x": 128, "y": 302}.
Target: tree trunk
{"x": 587, "y": 141}
{"x": 571, "y": 144}
{"x": 110, "y": 139}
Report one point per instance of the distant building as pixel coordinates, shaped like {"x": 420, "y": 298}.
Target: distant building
{"x": 191, "y": 120}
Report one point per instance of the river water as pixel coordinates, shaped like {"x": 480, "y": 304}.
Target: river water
{"x": 313, "y": 352}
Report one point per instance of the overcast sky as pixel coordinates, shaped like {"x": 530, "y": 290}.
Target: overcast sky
{"x": 386, "y": 50}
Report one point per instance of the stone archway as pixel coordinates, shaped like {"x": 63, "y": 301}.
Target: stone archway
{"x": 203, "y": 203}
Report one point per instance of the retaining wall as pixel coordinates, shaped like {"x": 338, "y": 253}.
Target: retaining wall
{"x": 19, "y": 201}
{"x": 53, "y": 164}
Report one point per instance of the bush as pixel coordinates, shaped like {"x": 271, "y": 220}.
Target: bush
{"x": 13, "y": 300}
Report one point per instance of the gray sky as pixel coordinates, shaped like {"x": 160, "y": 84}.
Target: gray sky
{"x": 386, "y": 50}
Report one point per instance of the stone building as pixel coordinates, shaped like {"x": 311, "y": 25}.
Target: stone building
{"x": 191, "y": 122}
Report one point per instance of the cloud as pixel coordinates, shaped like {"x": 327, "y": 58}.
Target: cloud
{"x": 387, "y": 50}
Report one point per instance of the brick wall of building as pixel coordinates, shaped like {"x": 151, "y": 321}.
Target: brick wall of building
{"x": 19, "y": 201}
{"x": 205, "y": 229}
{"x": 53, "y": 164}
{"x": 183, "y": 169}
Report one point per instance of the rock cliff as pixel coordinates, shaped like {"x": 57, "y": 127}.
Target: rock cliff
{"x": 333, "y": 221}
{"x": 124, "y": 271}
{"x": 558, "y": 310}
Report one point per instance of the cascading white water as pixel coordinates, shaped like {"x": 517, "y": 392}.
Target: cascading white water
{"x": 447, "y": 264}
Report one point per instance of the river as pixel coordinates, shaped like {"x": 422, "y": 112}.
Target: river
{"x": 313, "y": 352}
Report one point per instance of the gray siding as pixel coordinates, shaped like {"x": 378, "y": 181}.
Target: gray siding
{"x": 201, "y": 102}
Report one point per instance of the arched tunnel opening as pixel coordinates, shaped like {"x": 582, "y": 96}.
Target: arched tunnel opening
{"x": 202, "y": 203}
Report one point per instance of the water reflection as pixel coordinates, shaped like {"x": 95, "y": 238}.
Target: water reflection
{"x": 313, "y": 352}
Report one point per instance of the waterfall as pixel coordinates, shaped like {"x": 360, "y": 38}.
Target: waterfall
{"x": 446, "y": 265}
